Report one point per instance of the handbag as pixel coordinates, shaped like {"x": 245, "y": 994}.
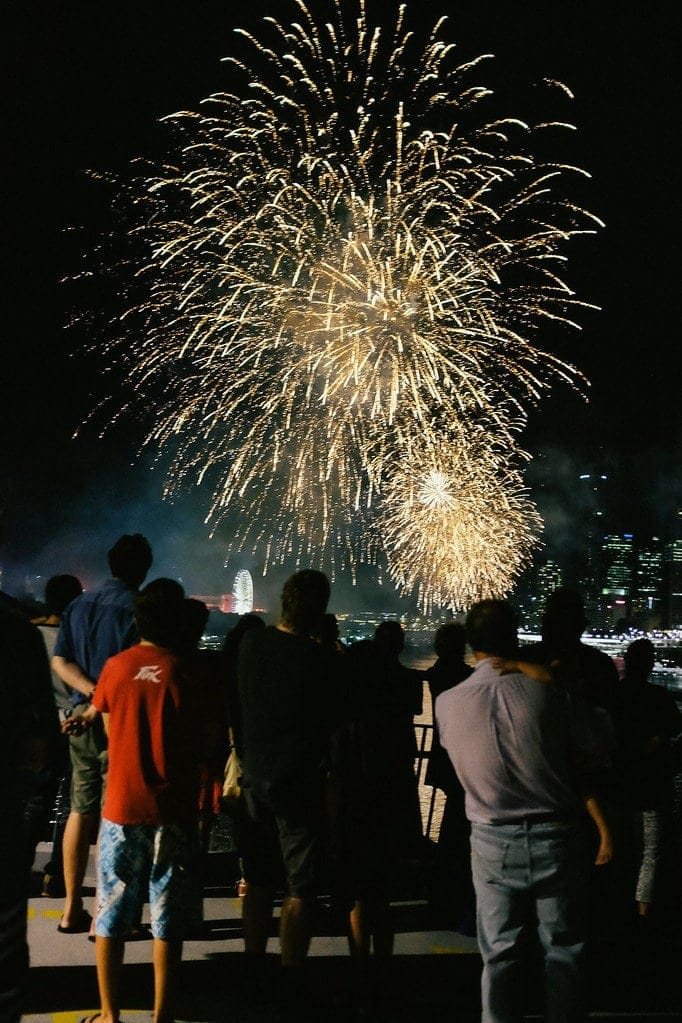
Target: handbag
{"x": 232, "y": 782}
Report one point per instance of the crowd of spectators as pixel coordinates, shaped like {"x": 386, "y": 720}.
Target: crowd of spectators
{"x": 549, "y": 762}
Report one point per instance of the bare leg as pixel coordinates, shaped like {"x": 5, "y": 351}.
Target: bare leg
{"x": 166, "y": 956}
{"x": 295, "y": 929}
{"x": 109, "y": 959}
{"x": 256, "y": 919}
{"x": 359, "y": 936}
{"x": 360, "y": 946}
{"x": 76, "y": 847}
{"x": 370, "y": 922}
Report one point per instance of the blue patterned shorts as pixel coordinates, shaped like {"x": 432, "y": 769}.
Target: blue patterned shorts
{"x": 158, "y": 862}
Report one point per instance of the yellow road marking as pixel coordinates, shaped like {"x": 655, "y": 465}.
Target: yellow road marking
{"x": 45, "y": 914}
{"x": 75, "y": 1017}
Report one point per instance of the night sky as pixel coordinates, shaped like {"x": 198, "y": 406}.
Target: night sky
{"x": 88, "y": 82}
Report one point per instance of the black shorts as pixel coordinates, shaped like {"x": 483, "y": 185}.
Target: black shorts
{"x": 281, "y": 834}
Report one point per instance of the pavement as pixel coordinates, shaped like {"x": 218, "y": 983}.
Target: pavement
{"x": 434, "y": 975}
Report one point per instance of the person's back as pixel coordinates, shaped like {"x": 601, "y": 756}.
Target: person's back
{"x": 584, "y": 670}
{"x": 152, "y": 775}
{"x": 449, "y": 670}
{"x": 94, "y": 627}
{"x": 288, "y": 699}
{"x": 230, "y": 657}
{"x": 647, "y": 718}
{"x": 30, "y": 732}
{"x": 60, "y": 590}
{"x": 148, "y": 835}
{"x": 451, "y": 895}
{"x": 509, "y": 739}
{"x": 97, "y": 625}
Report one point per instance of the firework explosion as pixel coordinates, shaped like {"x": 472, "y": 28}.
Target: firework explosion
{"x": 341, "y": 254}
{"x": 457, "y": 521}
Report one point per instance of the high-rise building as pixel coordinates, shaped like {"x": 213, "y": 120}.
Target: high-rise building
{"x": 617, "y": 565}
{"x": 672, "y": 584}
{"x": 617, "y": 575}
{"x": 550, "y": 577}
{"x": 530, "y": 597}
{"x": 648, "y": 584}
{"x": 591, "y": 495}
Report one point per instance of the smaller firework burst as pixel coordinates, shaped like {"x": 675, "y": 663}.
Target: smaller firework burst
{"x": 456, "y": 522}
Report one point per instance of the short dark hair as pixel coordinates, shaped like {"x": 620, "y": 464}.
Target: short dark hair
{"x": 304, "y": 600}
{"x": 326, "y": 631}
{"x": 450, "y": 640}
{"x": 60, "y": 590}
{"x": 159, "y": 611}
{"x": 640, "y": 657}
{"x": 234, "y": 637}
{"x": 565, "y": 605}
{"x": 390, "y": 637}
{"x": 130, "y": 558}
{"x": 491, "y": 628}
{"x": 195, "y": 616}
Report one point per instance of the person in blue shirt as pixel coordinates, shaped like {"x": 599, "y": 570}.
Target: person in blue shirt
{"x": 94, "y": 627}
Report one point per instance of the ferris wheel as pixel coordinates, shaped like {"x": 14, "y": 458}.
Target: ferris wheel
{"x": 242, "y": 593}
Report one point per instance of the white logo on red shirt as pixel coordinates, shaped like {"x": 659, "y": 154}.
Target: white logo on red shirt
{"x": 149, "y": 673}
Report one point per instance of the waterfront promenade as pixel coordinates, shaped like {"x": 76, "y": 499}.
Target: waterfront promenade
{"x": 434, "y": 976}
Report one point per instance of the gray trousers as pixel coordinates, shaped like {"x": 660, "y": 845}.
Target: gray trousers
{"x": 529, "y": 876}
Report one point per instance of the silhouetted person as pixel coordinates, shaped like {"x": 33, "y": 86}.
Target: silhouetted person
{"x": 231, "y": 644}
{"x": 452, "y": 893}
{"x": 202, "y": 671}
{"x": 375, "y": 819}
{"x": 647, "y": 718}
{"x": 60, "y": 590}
{"x": 94, "y": 627}
{"x": 290, "y": 703}
{"x": 327, "y": 634}
{"x": 394, "y": 693}
{"x": 29, "y": 735}
{"x": 581, "y": 668}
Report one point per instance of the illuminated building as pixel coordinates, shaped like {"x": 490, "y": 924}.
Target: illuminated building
{"x": 548, "y": 577}
{"x": 591, "y": 488}
{"x": 617, "y": 574}
{"x": 648, "y": 588}
{"x": 672, "y": 592}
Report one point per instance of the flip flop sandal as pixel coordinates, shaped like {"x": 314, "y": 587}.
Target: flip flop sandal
{"x": 80, "y": 927}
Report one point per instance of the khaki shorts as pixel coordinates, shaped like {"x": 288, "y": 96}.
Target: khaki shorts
{"x": 89, "y": 760}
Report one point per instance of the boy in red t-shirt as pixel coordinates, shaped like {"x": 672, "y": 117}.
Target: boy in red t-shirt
{"x": 148, "y": 838}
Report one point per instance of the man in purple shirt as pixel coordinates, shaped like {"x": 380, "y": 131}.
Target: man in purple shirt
{"x": 525, "y": 769}
{"x": 94, "y": 627}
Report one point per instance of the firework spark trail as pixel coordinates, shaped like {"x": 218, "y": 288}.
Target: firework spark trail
{"x": 457, "y": 521}
{"x": 341, "y": 254}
